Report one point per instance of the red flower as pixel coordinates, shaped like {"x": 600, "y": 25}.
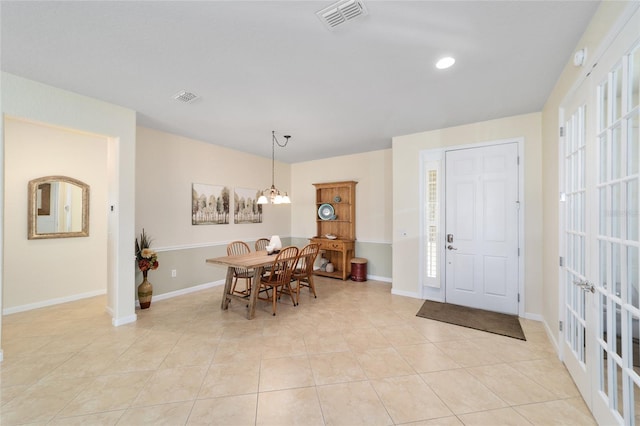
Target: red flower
{"x": 145, "y": 265}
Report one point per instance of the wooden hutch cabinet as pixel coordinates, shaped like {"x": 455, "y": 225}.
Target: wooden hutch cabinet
{"x": 336, "y": 215}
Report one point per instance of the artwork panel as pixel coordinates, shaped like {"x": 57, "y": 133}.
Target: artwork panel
{"x": 209, "y": 204}
{"x": 246, "y": 208}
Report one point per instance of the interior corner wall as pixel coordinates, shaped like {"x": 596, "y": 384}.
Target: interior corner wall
{"x": 40, "y": 271}
{"x": 166, "y": 167}
{"x": 600, "y": 26}
{"x": 406, "y": 197}
{"x": 41, "y": 103}
{"x": 372, "y": 171}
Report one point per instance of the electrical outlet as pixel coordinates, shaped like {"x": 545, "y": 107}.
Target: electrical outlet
{"x": 174, "y": 273}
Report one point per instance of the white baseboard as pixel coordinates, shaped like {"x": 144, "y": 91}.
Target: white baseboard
{"x": 116, "y": 322}
{"x": 405, "y": 293}
{"x": 51, "y": 302}
{"x": 533, "y": 317}
{"x": 184, "y": 291}
{"x": 377, "y": 278}
{"x": 552, "y": 337}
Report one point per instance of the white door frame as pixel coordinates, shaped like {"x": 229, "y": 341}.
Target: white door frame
{"x": 434, "y": 289}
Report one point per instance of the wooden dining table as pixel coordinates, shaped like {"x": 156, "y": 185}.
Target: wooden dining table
{"x": 255, "y": 261}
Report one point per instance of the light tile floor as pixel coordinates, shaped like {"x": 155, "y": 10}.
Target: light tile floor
{"x": 356, "y": 355}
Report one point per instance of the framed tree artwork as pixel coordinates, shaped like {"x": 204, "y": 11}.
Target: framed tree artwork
{"x": 209, "y": 204}
{"x": 246, "y": 208}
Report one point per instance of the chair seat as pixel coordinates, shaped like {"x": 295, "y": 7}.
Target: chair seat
{"x": 247, "y": 274}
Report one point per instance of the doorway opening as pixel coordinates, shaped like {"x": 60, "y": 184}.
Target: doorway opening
{"x": 471, "y": 250}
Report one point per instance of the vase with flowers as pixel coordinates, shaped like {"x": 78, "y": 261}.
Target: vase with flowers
{"x": 147, "y": 260}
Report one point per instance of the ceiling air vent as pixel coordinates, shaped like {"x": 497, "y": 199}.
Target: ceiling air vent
{"x": 186, "y": 97}
{"x": 341, "y": 12}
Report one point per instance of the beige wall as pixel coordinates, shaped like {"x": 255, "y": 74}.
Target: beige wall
{"x": 372, "y": 171}
{"x": 406, "y": 197}
{"x": 40, "y": 270}
{"x": 166, "y": 167}
{"x": 601, "y": 24}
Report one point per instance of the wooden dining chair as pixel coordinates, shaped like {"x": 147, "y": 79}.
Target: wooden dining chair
{"x": 262, "y": 244}
{"x": 303, "y": 272}
{"x": 279, "y": 276}
{"x": 235, "y": 248}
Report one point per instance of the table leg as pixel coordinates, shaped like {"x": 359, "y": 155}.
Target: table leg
{"x": 227, "y": 289}
{"x": 255, "y": 290}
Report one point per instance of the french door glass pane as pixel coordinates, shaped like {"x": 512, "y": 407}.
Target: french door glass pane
{"x": 617, "y": 326}
{"x": 615, "y": 211}
{"x": 604, "y": 270}
{"x": 603, "y": 218}
{"x": 582, "y": 174}
{"x": 604, "y": 372}
{"x": 604, "y": 159}
{"x": 635, "y": 347}
{"x": 570, "y": 253}
{"x": 604, "y": 106}
{"x": 633, "y": 275}
{"x": 632, "y": 210}
{"x": 617, "y": 385}
{"x": 582, "y": 258}
{"x": 634, "y": 83}
{"x": 616, "y": 154}
{"x": 617, "y": 93}
{"x": 602, "y": 303}
{"x": 635, "y": 415}
{"x": 615, "y": 268}
{"x": 581, "y": 209}
{"x": 633, "y": 140}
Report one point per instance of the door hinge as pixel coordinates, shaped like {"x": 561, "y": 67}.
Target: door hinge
{"x": 518, "y": 160}
{"x": 518, "y": 297}
{"x": 561, "y": 261}
{"x": 560, "y": 325}
{"x": 518, "y": 251}
{"x": 561, "y": 131}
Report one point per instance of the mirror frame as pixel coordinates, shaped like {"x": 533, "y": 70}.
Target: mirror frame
{"x": 33, "y": 208}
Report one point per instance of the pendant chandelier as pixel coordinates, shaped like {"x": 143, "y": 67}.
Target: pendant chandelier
{"x": 272, "y": 195}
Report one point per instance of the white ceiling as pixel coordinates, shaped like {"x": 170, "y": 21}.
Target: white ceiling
{"x": 260, "y": 66}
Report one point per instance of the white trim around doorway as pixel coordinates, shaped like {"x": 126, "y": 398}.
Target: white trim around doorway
{"x": 435, "y": 291}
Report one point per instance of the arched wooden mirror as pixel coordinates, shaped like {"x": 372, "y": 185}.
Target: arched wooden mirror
{"x": 58, "y": 208}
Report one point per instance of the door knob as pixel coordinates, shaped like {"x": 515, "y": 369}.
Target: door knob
{"x": 585, "y": 285}
{"x": 450, "y": 247}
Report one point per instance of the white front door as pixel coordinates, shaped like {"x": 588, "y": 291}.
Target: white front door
{"x": 481, "y": 223}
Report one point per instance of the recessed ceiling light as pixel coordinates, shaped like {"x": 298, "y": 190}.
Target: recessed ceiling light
{"x": 445, "y": 62}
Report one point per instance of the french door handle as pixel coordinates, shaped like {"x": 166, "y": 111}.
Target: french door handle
{"x": 585, "y": 285}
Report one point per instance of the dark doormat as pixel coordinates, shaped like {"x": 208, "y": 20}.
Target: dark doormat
{"x": 492, "y": 322}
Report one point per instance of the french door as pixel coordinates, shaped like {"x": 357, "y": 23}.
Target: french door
{"x": 574, "y": 273}
{"x": 600, "y": 240}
